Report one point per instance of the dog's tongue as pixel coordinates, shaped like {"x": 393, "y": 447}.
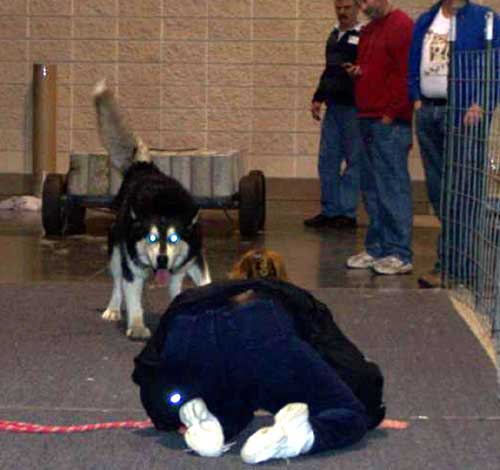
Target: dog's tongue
{"x": 161, "y": 277}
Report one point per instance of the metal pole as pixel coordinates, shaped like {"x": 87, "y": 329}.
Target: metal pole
{"x": 44, "y": 123}
{"x": 483, "y": 169}
{"x": 488, "y": 110}
{"x": 447, "y": 187}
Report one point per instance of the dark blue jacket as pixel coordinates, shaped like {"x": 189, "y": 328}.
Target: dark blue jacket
{"x": 470, "y": 37}
{"x": 313, "y": 322}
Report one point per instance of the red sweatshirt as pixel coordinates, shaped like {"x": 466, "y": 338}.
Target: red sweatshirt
{"x": 382, "y": 87}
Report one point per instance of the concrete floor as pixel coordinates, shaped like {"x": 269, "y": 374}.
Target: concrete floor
{"x": 63, "y": 365}
{"x": 314, "y": 258}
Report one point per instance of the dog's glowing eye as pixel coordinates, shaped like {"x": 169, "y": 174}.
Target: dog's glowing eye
{"x": 173, "y": 238}
{"x": 152, "y": 238}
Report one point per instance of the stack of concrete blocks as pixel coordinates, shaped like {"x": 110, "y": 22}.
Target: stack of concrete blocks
{"x": 88, "y": 174}
{"x": 206, "y": 174}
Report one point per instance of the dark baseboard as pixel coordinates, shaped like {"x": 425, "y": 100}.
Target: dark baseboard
{"x": 284, "y": 189}
{"x": 307, "y": 189}
{"x": 15, "y": 184}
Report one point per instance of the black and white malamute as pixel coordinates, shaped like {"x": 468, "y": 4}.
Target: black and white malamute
{"x": 156, "y": 226}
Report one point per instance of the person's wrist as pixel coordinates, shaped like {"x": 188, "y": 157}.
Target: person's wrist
{"x": 386, "y": 119}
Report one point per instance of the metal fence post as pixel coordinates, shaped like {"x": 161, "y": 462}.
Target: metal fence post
{"x": 446, "y": 188}
{"x": 488, "y": 111}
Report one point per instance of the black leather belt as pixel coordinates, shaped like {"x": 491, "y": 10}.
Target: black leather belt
{"x": 434, "y": 101}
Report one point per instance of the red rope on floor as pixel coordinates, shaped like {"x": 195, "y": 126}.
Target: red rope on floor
{"x": 32, "y": 428}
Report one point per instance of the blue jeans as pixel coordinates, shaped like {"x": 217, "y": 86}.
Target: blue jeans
{"x": 386, "y": 188}
{"x": 340, "y": 141}
{"x": 244, "y": 357}
{"x": 459, "y": 209}
{"x": 430, "y": 122}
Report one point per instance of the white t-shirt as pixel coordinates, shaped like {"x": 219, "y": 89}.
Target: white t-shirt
{"x": 435, "y": 58}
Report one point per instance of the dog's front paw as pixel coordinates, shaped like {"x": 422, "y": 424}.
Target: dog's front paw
{"x": 138, "y": 332}
{"x": 111, "y": 315}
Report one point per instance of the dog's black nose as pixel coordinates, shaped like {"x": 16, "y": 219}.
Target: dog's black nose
{"x": 162, "y": 262}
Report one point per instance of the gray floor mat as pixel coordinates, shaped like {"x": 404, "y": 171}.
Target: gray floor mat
{"x": 61, "y": 364}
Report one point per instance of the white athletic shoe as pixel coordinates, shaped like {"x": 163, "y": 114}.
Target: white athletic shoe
{"x": 391, "y": 265}
{"x": 360, "y": 261}
{"x": 291, "y": 435}
{"x": 204, "y": 433}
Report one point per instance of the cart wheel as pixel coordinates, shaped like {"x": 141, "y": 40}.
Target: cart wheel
{"x": 74, "y": 219}
{"x": 52, "y": 210}
{"x": 261, "y": 182}
{"x": 250, "y": 207}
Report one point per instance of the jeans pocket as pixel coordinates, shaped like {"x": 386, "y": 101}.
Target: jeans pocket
{"x": 259, "y": 323}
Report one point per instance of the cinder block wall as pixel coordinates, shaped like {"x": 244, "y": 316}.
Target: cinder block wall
{"x": 189, "y": 73}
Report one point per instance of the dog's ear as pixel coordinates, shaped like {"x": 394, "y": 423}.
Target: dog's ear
{"x": 277, "y": 266}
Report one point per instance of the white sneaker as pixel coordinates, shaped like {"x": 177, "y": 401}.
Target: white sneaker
{"x": 391, "y": 265}
{"x": 204, "y": 433}
{"x": 290, "y": 436}
{"x": 360, "y": 261}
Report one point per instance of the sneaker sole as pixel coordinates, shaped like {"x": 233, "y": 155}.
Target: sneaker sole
{"x": 269, "y": 442}
{"x": 392, "y": 273}
{"x": 350, "y": 266}
{"x": 359, "y": 266}
{"x": 197, "y": 437}
{"x": 263, "y": 445}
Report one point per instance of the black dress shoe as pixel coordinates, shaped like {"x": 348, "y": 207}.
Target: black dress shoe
{"x": 430, "y": 280}
{"x": 342, "y": 221}
{"x": 318, "y": 221}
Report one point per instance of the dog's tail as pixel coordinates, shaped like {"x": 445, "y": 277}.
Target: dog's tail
{"x": 123, "y": 146}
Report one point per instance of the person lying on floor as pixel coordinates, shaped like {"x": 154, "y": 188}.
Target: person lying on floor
{"x": 224, "y": 350}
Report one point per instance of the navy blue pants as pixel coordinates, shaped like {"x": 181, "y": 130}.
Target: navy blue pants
{"x": 244, "y": 357}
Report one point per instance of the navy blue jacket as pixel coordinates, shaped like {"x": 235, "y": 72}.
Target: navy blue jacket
{"x": 335, "y": 84}
{"x": 313, "y": 322}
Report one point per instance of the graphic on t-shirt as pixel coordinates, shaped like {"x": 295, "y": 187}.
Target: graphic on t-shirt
{"x": 437, "y": 47}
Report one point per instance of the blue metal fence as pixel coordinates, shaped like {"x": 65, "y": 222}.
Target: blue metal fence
{"x": 470, "y": 202}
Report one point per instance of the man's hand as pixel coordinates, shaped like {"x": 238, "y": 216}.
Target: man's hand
{"x": 473, "y": 115}
{"x": 316, "y": 110}
{"x": 417, "y": 105}
{"x": 386, "y": 120}
{"x": 353, "y": 70}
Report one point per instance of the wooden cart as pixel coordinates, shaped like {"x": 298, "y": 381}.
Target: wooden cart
{"x": 214, "y": 179}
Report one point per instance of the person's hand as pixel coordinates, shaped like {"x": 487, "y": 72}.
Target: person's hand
{"x": 417, "y": 105}
{"x": 316, "y": 110}
{"x": 386, "y": 120}
{"x": 353, "y": 70}
{"x": 473, "y": 115}
{"x": 393, "y": 424}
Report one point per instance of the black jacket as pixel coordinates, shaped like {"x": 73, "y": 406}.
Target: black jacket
{"x": 314, "y": 324}
{"x": 335, "y": 85}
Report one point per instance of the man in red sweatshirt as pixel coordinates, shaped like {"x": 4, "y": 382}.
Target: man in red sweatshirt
{"x": 385, "y": 116}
